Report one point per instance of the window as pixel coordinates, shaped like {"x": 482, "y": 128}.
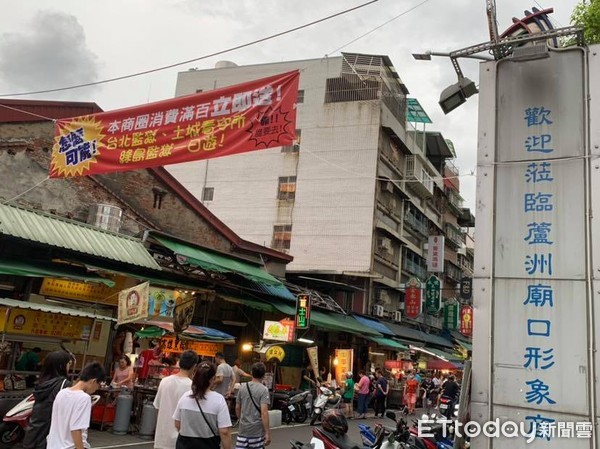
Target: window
{"x": 287, "y": 188}
{"x": 296, "y": 146}
{"x": 301, "y": 96}
{"x": 208, "y": 193}
{"x": 282, "y": 236}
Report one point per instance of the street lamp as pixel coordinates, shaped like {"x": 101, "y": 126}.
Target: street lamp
{"x": 456, "y": 94}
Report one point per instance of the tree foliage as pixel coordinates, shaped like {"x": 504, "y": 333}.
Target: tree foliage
{"x": 587, "y": 15}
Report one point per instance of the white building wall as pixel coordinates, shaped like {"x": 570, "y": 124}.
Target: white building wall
{"x": 332, "y": 216}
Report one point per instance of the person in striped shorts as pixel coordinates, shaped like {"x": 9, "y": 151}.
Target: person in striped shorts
{"x": 252, "y": 408}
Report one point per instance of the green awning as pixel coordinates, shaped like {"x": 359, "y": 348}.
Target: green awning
{"x": 150, "y": 332}
{"x": 389, "y": 343}
{"x": 330, "y": 321}
{"x": 41, "y": 270}
{"x": 464, "y": 344}
{"x": 219, "y": 263}
{"x": 73, "y": 235}
{"x": 252, "y": 303}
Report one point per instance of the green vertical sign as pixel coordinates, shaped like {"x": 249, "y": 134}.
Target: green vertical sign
{"x": 451, "y": 314}
{"x": 433, "y": 295}
{"x": 302, "y": 311}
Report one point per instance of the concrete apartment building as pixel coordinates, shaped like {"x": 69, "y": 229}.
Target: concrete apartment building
{"x": 355, "y": 199}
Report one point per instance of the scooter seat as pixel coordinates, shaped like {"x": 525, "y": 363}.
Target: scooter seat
{"x": 341, "y": 442}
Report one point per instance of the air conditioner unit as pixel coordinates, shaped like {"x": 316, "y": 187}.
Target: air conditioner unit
{"x": 378, "y": 311}
{"x": 397, "y": 316}
{"x": 389, "y": 187}
{"x": 462, "y": 250}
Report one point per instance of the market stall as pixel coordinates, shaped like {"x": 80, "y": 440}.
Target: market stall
{"x": 28, "y": 325}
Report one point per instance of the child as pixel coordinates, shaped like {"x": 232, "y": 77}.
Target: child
{"x": 72, "y": 409}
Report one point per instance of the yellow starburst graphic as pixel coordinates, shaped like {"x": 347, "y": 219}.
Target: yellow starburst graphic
{"x": 77, "y": 145}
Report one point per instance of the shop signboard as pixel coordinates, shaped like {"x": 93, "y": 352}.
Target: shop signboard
{"x": 466, "y": 320}
{"x": 279, "y": 330}
{"x": 451, "y": 314}
{"x": 537, "y": 252}
{"x": 207, "y": 349}
{"x": 43, "y": 324}
{"x": 466, "y": 288}
{"x": 433, "y": 295}
{"x": 302, "y": 311}
{"x": 313, "y": 357}
{"x": 245, "y": 117}
{"x": 412, "y": 299}
{"x": 275, "y": 352}
{"x": 343, "y": 362}
{"x": 435, "y": 254}
{"x": 133, "y": 304}
{"x": 83, "y": 291}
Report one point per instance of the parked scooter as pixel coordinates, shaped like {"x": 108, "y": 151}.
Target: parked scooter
{"x": 332, "y": 434}
{"x": 326, "y": 400}
{"x": 448, "y": 407}
{"x": 16, "y": 420}
{"x": 12, "y": 429}
{"x": 294, "y": 405}
{"x": 395, "y": 437}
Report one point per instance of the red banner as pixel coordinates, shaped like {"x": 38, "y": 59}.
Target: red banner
{"x": 246, "y": 117}
{"x": 412, "y": 299}
{"x": 466, "y": 321}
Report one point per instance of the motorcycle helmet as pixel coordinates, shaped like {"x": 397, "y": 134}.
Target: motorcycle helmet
{"x": 335, "y": 422}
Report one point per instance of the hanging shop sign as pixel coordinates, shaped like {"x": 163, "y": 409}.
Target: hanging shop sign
{"x": 279, "y": 330}
{"x": 435, "y": 254}
{"x": 171, "y": 344}
{"x": 43, "y": 324}
{"x": 83, "y": 291}
{"x": 344, "y": 363}
{"x": 466, "y": 288}
{"x": 133, "y": 304}
{"x": 245, "y": 117}
{"x": 433, "y": 295}
{"x": 275, "y": 352}
{"x": 451, "y": 314}
{"x": 302, "y": 311}
{"x": 313, "y": 357}
{"x": 466, "y": 321}
{"x": 412, "y": 299}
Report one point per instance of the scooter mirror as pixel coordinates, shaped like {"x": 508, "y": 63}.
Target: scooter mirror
{"x": 391, "y": 415}
{"x": 425, "y": 417}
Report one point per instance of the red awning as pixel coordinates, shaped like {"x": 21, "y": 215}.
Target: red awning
{"x": 439, "y": 364}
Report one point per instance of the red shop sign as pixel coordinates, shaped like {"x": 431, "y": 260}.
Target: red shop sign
{"x": 412, "y": 299}
{"x": 466, "y": 321}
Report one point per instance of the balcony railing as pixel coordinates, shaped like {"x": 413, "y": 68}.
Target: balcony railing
{"x": 455, "y": 201}
{"x": 420, "y": 182}
{"x": 452, "y": 271}
{"x": 454, "y": 236}
{"x": 414, "y": 268}
{"x": 394, "y": 157}
{"x": 416, "y": 225}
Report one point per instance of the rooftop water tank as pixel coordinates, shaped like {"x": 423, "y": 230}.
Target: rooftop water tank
{"x": 225, "y": 64}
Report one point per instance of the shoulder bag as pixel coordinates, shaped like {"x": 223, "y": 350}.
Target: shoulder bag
{"x": 251, "y": 398}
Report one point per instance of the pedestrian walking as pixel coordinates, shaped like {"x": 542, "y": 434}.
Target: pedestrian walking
{"x": 53, "y": 378}
{"x": 170, "y": 390}
{"x": 362, "y": 388}
{"x": 72, "y": 410}
{"x": 381, "y": 392}
{"x": 223, "y": 383}
{"x": 348, "y": 395}
{"x": 252, "y": 409}
{"x": 411, "y": 389}
{"x": 201, "y": 415}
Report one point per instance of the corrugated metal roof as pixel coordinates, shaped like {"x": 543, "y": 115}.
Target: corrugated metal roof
{"x": 13, "y": 303}
{"x": 73, "y": 235}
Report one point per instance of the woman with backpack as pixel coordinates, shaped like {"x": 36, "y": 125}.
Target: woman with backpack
{"x": 53, "y": 378}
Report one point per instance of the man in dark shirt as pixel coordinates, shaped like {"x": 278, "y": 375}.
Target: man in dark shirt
{"x": 381, "y": 392}
{"x": 450, "y": 388}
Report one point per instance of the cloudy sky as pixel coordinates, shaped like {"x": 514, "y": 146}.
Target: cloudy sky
{"x": 48, "y": 44}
